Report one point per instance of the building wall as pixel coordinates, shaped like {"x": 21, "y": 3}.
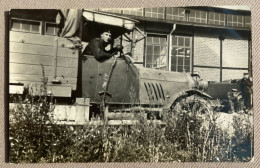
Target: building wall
{"x": 235, "y": 53}
{"x": 207, "y": 51}
{"x": 208, "y": 74}
{"x": 232, "y": 74}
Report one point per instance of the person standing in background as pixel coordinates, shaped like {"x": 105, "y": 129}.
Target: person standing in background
{"x": 246, "y": 89}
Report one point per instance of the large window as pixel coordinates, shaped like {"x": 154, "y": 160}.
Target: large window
{"x": 154, "y": 12}
{"x": 217, "y": 18}
{"x": 198, "y": 16}
{"x": 181, "y": 54}
{"x": 156, "y": 51}
{"x": 134, "y": 11}
{"x": 175, "y": 14}
{"x": 25, "y": 26}
{"x": 235, "y": 20}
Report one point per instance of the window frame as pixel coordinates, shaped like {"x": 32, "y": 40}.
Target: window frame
{"x": 200, "y": 18}
{"x": 184, "y": 47}
{"x": 161, "y": 45}
{"x": 217, "y": 20}
{"x": 247, "y": 23}
{"x": 136, "y": 10}
{"x": 26, "y": 20}
{"x": 45, "y": 28}
{"x": 237, "y": 22}
{"x": 171, "y": 16}
{"x": 157, "y": 13}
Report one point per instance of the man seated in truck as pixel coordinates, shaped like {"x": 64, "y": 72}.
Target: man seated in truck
{"x": 97, "y": 46}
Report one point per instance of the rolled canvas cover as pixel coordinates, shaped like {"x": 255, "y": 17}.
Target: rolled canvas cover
{"x": 72, "y": 18}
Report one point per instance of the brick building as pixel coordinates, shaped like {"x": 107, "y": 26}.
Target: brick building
{"x": 213, "y": 41}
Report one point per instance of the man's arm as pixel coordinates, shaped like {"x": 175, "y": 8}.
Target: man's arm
{"x": 248, "y": 83}
{"x": 98, "y": 52}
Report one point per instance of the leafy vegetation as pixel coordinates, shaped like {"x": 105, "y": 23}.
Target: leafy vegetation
{"x": 187, "y": 136}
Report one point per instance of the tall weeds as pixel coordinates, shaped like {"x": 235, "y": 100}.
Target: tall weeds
{"x": 185, "y": 136}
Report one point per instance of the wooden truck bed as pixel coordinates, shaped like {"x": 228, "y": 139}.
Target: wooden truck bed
{"x": 32, "y": 54}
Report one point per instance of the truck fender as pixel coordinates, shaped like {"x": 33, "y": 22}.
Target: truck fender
{"x": 182, "y": 94}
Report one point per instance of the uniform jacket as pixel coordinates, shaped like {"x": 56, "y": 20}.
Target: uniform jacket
{"x": 246, "y": 85}
{"x": 97, "y": 47}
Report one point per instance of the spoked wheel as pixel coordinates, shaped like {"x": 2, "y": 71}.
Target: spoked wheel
{"x": 193, "y": 103}
{"x": 192, "y": 119}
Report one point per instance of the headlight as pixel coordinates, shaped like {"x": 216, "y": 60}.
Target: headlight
{"x": 202, "y": 85}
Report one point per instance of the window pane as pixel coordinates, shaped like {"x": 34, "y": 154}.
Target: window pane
{"x": 203, "y": 15}
{"x": 216, "y": 16}
{"x": 160, "y": 10}
{"x": 174, "y": 51}
{"x": 192, "y": 13}
{"x": 149, "y": 50}
{"x": 149, "y": 40}
{"x": 180, "y": 68}
{"x": 164, "y": 50}
{"x": 50, "y": 30}
{"x": 211, "y": 15}
{"x": 187, "y": 61}
{"x": 197, "y": 20}
{"x": 234, "y": 18}
{"x": 181, "y": 52}
{"x": 154, "y": 10}
{"x": 211, "y": 22}
{"x": 240, "y": 20}
{"x": 155, "y": 40}
{"x": 173, "y": 68}
{"x": 156, "y": 50}
{"x": 168, "y": 10}
{"x": 173, "y": 60}
{"x": 174, "y": 40}
{"x": 148, "y": 14}
{"x": 229, "y": 17}
{"x": 187, "y": 52}
{"x": 247, "y": 19}
{"x": 148, "y": 59}
{"x": 187, "y": 42}
{"x": 187, "y": 68}
{"x": 160, "y": 16}
{"x": 180, "y": 41}
{"x": 156, "y": 60}
{"x": 222, "y": 17}
{"x": 35, "y": 27}
{"x": 15, "y": 25}
{"x": 25, "y": 27}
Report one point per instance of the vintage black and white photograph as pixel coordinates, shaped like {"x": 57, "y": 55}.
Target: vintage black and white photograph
{"x": 161, "y": 84}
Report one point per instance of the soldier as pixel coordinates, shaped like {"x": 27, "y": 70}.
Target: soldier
{"x": 233, "y": 101}
{"x": 97, "y": 46}
{"x": 246, "y": 90}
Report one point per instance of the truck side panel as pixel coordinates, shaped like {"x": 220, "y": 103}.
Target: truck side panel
{"x": 33, "y": 54}
{"x": 123, "y": 85}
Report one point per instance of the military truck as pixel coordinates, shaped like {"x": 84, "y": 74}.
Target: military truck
{"x": 86, "y": 88}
